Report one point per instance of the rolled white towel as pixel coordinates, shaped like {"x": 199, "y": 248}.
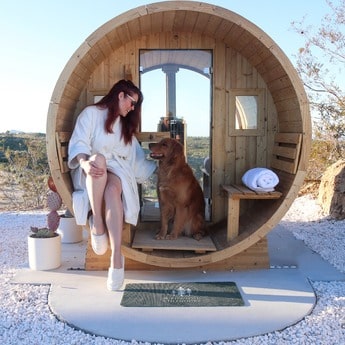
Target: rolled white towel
{"x": 260, "y": 179}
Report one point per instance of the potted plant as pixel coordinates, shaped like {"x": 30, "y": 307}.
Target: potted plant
{"x": 44, "y": 248}
{"x": 44, "y": 244}
{"x": 68, "y": 229}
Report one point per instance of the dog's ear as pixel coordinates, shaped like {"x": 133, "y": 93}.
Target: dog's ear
{"x": 176, "y": 151}
{"x": 178, "y": 147}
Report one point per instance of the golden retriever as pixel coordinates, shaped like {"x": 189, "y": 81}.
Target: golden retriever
{"x": 180, "y": 196}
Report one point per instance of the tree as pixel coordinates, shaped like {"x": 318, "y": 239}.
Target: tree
{"x": 320, "y": 64}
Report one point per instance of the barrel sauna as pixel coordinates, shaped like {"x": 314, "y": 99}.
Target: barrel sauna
{"x": 246, "y": 65}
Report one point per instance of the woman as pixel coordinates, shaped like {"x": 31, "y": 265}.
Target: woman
{"x": 107, "y": 162}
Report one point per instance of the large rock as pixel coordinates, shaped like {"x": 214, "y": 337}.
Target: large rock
{"x": 331, "y": 195}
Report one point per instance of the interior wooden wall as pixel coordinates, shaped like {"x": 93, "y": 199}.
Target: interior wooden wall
{"x": 231, "y": 155}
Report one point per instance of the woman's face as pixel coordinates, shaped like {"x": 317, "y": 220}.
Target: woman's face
{"x": 127, "y": 103}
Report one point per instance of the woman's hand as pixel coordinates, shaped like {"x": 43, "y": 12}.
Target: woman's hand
{"x": 91, "y": 168}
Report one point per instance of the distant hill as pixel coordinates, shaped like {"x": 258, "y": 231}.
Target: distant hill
{"x": 17, "y": 142}
{"x": 13, "y": 131}
{"x": 16, "y": 132}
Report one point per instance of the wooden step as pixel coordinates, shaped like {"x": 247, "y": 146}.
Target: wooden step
{"x": 145, "y": 240}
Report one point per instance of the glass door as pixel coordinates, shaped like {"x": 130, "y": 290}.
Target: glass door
{"x": 177, "y": 85}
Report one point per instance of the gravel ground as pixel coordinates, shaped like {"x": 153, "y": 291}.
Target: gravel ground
{"x": 25, "y": 317}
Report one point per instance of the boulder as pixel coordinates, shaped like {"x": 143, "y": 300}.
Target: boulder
{"x": 331, "y": 196}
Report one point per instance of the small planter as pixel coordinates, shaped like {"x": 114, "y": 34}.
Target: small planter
{"x": 44, "y": 253}
{"x": 69, "y": 231}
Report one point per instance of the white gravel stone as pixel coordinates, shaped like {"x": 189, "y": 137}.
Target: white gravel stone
{"x": 25, "y": 317}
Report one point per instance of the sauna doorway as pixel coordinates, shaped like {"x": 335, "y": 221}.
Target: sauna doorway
{"x": 177, "y": 89}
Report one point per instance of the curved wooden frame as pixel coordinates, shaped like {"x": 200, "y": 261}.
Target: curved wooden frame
{"x": 226, "y": 29}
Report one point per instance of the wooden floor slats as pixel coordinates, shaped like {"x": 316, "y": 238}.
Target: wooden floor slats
{"x": 146, "y": 241}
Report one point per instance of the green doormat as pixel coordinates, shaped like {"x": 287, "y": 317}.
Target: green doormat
{"x": 184, "y": 294}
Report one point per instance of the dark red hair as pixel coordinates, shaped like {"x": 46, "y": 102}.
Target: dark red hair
{"x": 130, "y": 123}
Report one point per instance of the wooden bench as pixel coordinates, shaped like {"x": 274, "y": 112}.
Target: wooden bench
{"x": 285, "y": 157}
{"x": 236, "y": 193}
{"x": 62, "y": 140}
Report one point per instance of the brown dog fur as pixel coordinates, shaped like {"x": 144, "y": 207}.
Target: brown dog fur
{"x": 180, "y": 196}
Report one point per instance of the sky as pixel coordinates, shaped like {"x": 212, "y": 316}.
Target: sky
{"x": 38, "y": 37}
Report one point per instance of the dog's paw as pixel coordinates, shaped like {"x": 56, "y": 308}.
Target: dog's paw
{"x": 160, "y": 236}
{"x": 171, "y": 237}
{"x": 198, "y": 236}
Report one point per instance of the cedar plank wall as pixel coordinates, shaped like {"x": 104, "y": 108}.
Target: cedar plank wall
{"x": 232, "y": 71}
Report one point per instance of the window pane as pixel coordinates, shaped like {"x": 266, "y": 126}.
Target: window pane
{"x": 246, "y": 112}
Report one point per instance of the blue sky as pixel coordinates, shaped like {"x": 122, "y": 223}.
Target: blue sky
{"x": 38, "y": 37}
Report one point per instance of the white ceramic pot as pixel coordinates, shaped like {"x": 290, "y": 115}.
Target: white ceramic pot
{"x": 69, "y": 231}
{"x": 44, "y": 253}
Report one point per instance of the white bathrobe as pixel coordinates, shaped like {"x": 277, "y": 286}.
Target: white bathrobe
{"x": 128, "y": 162}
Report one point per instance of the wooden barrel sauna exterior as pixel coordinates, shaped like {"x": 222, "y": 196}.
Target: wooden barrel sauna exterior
{"x": 245, "y": 61}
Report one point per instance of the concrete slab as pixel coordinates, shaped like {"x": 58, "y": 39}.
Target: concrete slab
{"x": 286, "y": 251}
{"x": 274, "y": 298}
{"x": 80, "y": 298}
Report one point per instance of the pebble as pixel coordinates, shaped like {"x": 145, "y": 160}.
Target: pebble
{"x": 25, "y": 317}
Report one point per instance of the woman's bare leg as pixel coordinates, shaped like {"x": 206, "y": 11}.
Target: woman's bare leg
{"x": 95, "y": 187}
{"x": 114, "y": 217}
